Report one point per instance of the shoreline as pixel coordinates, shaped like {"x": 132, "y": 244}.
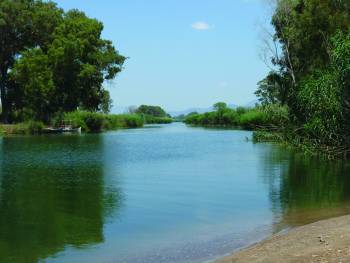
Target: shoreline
{"x": 322, "y": 241}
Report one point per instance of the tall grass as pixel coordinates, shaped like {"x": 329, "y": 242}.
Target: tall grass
{"x": 149, "y": 119}
{"x": 247, "y": 118}
{"x": 30, "y": 127}
{"x": 96, "y": 122}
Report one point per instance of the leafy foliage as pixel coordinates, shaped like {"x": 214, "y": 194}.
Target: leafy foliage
{"x": 153, "y": 114}
{"x": 154, "y": 111}
{"x": 249, "y": 118}
{"x": 312, "y": 75}
{"x": 96, "y": 122}
{"x": 52, "y": 61}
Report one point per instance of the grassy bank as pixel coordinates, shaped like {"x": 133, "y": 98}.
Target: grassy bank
{"x": 30, "y": 127}
{"x": 291, "y": 138}
{"x": 270, "y": 123}
{"x": 88, "y": 121}
{"x": 157, "y": 120}
{"x": 96, "y": 122}
{"x": 271, "y": 117}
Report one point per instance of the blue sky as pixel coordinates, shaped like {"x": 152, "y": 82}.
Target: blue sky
{"x": 182, "y": 53}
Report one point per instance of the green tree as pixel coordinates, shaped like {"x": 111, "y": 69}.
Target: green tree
{"x": 34, "y": 83}
{"x": 220, "y": 106}
{"x": 23, "y": 24}
{"x": 106, "y": 102}
{"x": 81, "y": 61}
{"x": 311, "y": 69}
{"x": 273, "y": 89}
{"x": 51, "y": 61}
{"x": 154, "y": 111}
{"x": 304, "y": 30}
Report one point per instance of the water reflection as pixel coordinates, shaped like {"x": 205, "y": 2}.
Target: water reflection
{"x": 168, "y": 194}
{"x": 305, "y": 189}
{"x": 52, "y": 194}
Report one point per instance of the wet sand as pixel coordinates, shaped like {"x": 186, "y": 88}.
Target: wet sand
{"x": 323, "y": 241}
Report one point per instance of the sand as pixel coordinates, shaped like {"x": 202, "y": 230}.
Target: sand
{"x": 323, "y": 241}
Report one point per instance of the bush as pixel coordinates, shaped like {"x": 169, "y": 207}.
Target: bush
{"x": 320, "y": 102}
{"x": 192, "y": 119}
{"x": 230, "y": 117}
{"x": 88, "y": 121}
{"x": 123, "y": 121}
{"x": 253, "y": 118}
{"x": 30, "y": 127}
{"x": 263, "y": 136}
{"x": 277, "y": 115}
{"x": 131, "y": 121}
{"x": 149, "y": 119}
{"x": 270, "y": 116}
{"x": 34, "y": 127}
{"x": 95, "y": 122}
{"x": 241, "y": 110}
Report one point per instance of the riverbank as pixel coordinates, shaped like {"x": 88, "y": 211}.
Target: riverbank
{"x": 323, "y": 241}
{"x": 88, "y": 121}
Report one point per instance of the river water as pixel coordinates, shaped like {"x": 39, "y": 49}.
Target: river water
{"x": 167, "y": 193}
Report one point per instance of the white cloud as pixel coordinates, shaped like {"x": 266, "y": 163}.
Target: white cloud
{"x": 201, "y": 26}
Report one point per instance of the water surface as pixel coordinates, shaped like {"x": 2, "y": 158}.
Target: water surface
{"x": 167, "y": 193}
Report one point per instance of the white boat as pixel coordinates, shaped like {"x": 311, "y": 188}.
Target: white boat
{"x": 65, "y": 127}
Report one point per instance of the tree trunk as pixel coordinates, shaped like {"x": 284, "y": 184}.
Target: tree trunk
{"x": 4, "y": 102}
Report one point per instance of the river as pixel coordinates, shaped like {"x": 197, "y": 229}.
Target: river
{"x": 163, "y": 193}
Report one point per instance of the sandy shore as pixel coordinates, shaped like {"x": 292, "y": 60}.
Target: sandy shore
{"x": 323, "y": 241}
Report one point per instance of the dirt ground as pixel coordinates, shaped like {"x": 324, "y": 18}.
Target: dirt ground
{"x": 323, "y": 241}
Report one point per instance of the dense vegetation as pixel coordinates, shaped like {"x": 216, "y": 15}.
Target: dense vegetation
{"x": 309, "y": 82}
{"x": 311, "y": 73}
{"x": 52, "y": 61}
{"x": 271, "y": 116}
{"x": 94, "y": 122}
{"x": 153, "y": 114}
{"x": 88, "y": 121}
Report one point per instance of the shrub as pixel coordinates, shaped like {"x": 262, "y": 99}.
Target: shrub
{"x": 320, "y": 102}
{"x": 253, "y": 118}
{"x": 241, "y": 110}
{"x": 277, "y": 115}
{"x": 157, "y": 120}
{"x": 30, "y": 127}
{"x": 34, "y": 127}
{"x": 95, "y": 122}
{"x": 230, "y": 117}
{"x": 132, "y": 121}
{"x": 88, "y": 121}
{"x": 263, "y": 136}
{"x": 192, "y": 119}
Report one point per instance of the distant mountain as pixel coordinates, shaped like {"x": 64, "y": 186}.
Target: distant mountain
{"x": 198, "y": 110}
{"x": 187, "y": 111}
{"x": 124, "y": 109}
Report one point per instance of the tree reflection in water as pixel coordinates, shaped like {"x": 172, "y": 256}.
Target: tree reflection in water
{"x": 52, "y": 194}
{"x": 304, "y": 189}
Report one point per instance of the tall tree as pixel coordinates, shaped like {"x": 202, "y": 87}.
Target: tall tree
{"x": 304, "y": 29}
{"x": 34, "y": 88}
{"x": 52, "y": 61}
{"x": 81, "y": 61}
{"x": 155, "y": 111}
{"x": 23, "y": 24}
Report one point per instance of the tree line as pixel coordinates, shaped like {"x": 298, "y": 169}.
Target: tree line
{"x": 309, "y": 81}
{"x": 52, "y": 61}
{"x": 266, "y": 117}
{"x": 311, "y": 69}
